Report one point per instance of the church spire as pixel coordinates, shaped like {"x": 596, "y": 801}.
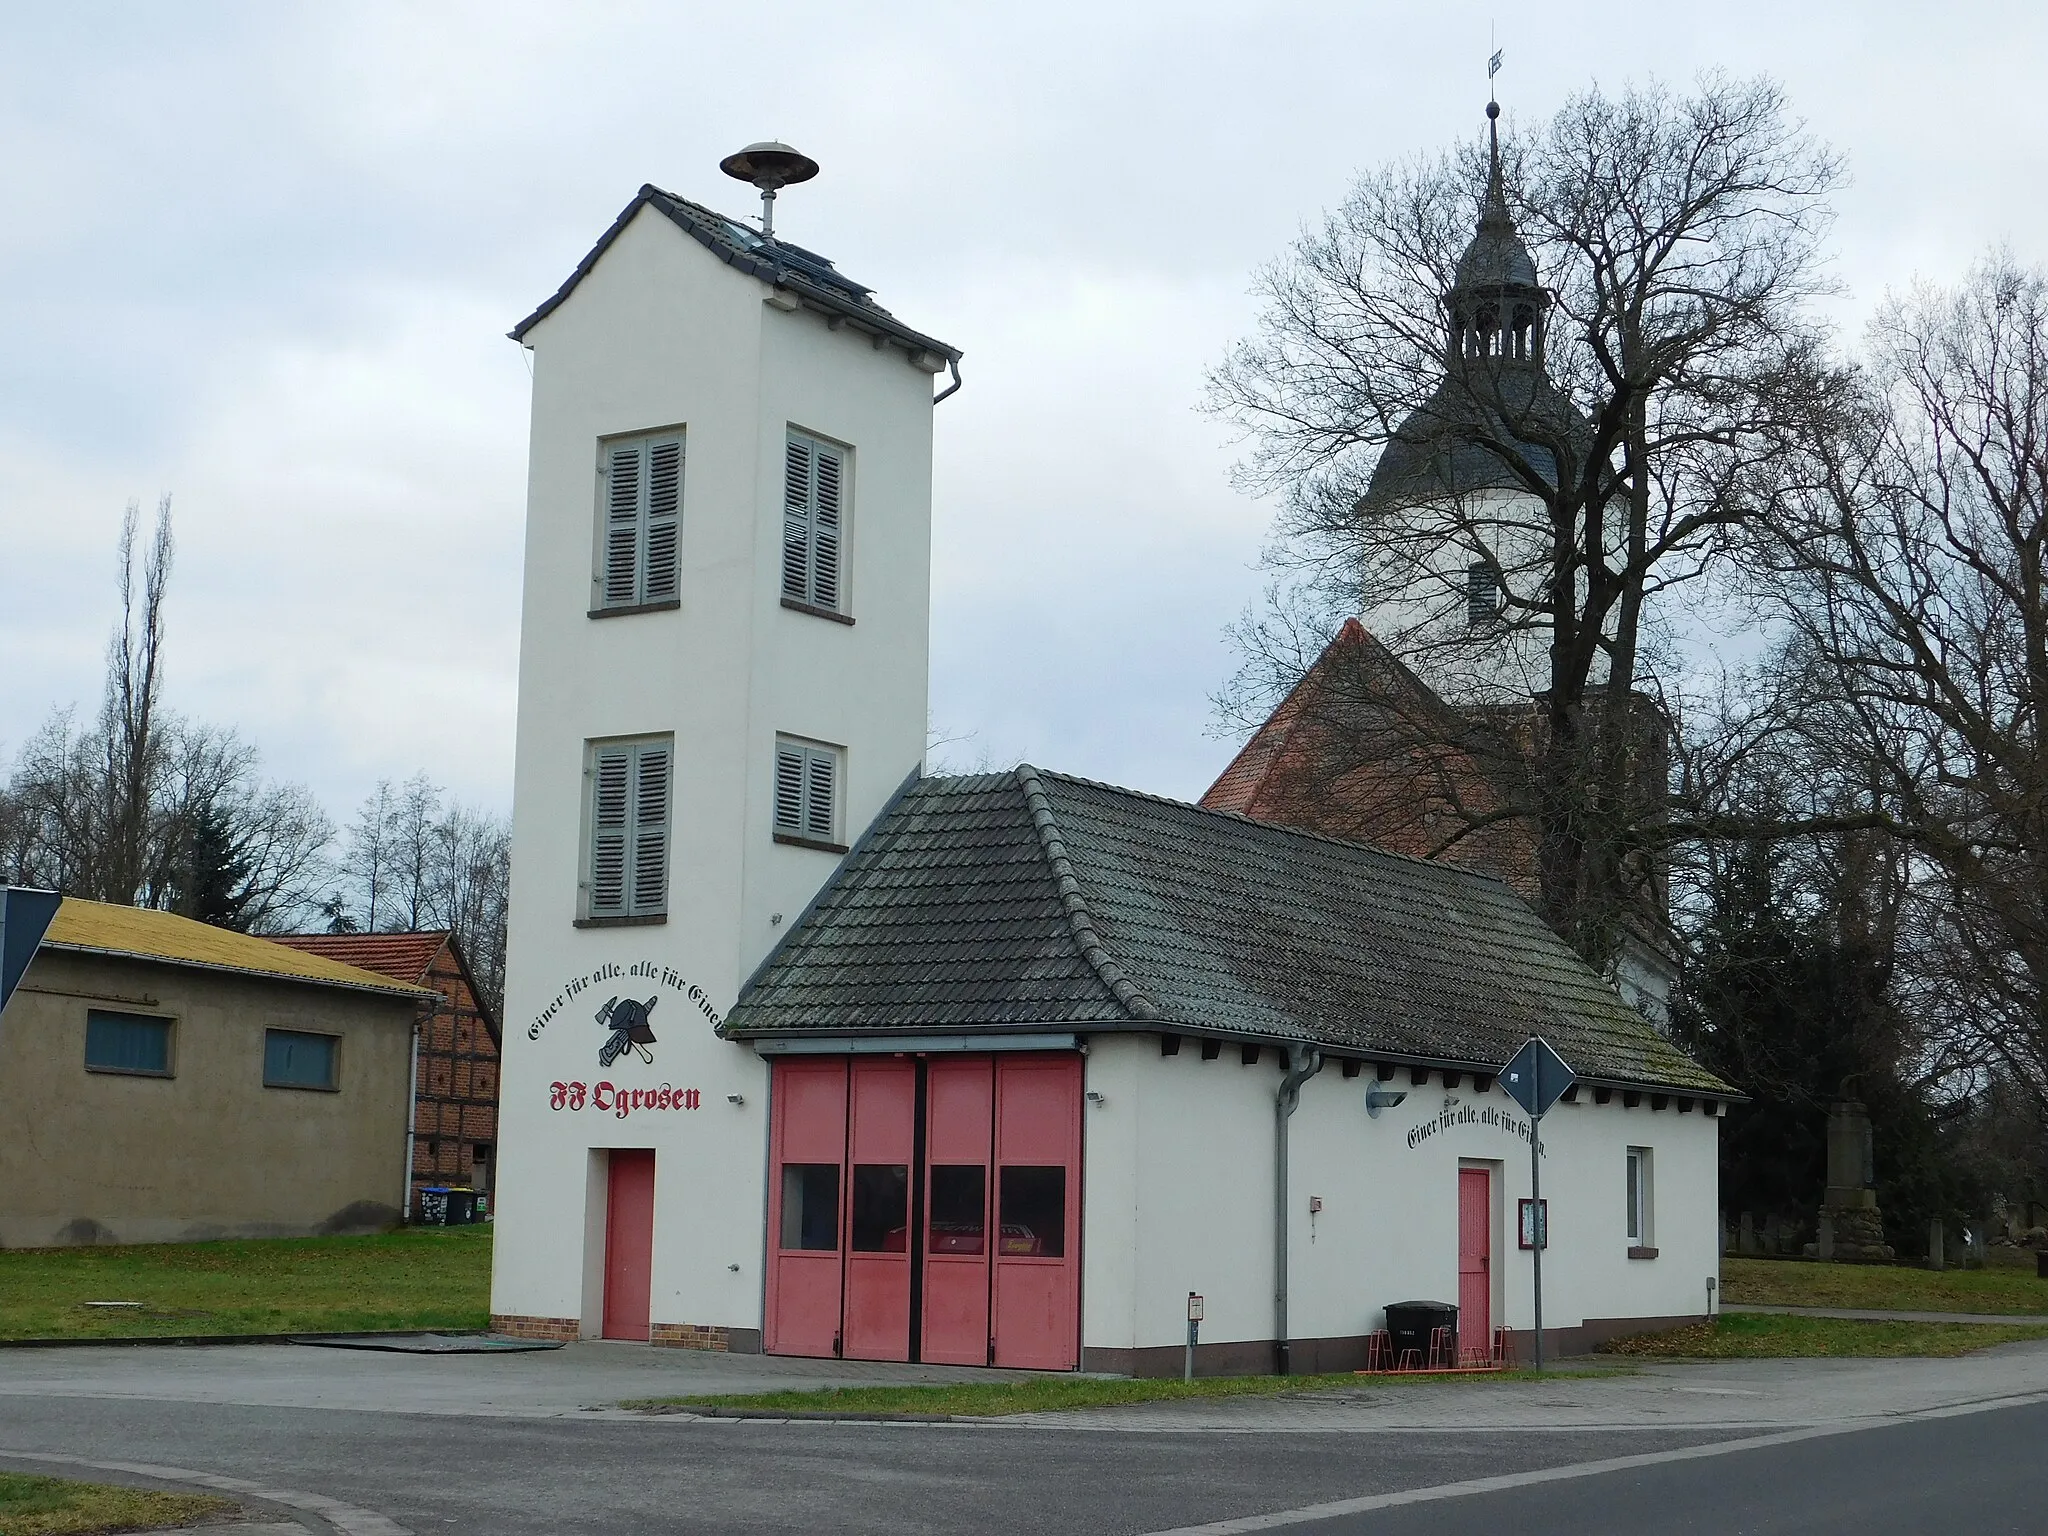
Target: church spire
{"x": 1496, "y": 305}
{"x": 1493, "y": 213}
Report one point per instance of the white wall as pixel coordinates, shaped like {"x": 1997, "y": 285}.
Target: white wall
{"x": 661, "y": 334}
{"x": 1190, "y": 1145}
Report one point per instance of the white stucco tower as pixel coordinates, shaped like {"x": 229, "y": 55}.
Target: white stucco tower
{"x": 722, "y": 680}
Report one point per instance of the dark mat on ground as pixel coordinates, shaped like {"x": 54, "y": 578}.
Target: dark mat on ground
{"x": 425, "y": 1343}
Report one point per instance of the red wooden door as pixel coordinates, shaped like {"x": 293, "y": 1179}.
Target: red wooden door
{"x": 628, "y": 1243}
{"x": 1037, "y": 1282}
{"x": 880, "y": 1149}
{"x": 1475, "y": 1258}
{"x": 959, "y": 1126}
{"x": 806, "y": 1189}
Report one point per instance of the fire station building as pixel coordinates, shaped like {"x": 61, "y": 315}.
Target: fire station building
{"x": 810, "y": 1052}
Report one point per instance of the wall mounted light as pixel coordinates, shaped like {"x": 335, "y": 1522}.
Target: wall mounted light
{"x": 735, "y": 1098}
{"x": 1096, "y": 1099}
{"x": 1378, "y": 1098}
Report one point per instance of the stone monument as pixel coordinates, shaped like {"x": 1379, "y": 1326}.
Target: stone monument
{"x": 1849, "y": 1214}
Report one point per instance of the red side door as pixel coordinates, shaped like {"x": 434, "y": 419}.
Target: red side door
{"x": 628, "y": 1243}
{"x": 806, "y": 1198}
{"x": 1475, "y": 1258}
{"x": 1037, "y": 1281}
{"x": 880, "y": 1148}
{"x": 959, "y": 1130}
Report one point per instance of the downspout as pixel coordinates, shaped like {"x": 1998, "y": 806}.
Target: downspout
{"x": 952, "y": 363}
{"x": 1303, "y": 1063}
{"x": 412, "y": 1120}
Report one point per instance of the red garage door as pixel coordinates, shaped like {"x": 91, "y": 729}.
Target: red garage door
{"x": 955, "y": 1191}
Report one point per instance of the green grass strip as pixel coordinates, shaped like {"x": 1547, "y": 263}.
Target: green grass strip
{"x": 50, "y": 1506}
{"x": 2009, "y": 1288}
{"x": 1765, "y": 1335}
{"x": 1057, "y": 1394}
{"x": 420, "y": 1278}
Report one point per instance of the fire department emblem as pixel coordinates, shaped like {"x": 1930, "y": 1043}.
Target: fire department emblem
{"x": 626, "y": 1029}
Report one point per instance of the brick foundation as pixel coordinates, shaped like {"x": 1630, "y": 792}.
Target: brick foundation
{"x": 692, "y": 1336}
{"x": 558, "y": 1330}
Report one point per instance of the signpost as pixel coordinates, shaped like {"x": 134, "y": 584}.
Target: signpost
{"x": 1534, "y": 1079}
{"x": 24, "y": 918}
{"x": 1187, "y": 1372}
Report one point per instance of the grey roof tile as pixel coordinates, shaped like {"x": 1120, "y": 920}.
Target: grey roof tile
{"x": 1031, "y": 899}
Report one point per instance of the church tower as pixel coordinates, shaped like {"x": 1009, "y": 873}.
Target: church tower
{"x": 722, "y": 680}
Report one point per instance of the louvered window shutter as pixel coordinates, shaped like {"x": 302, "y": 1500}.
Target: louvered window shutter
{"x": 825, "y": 527}
{"x": 789, "y": 788}
{"x": 610, "y": 813}
{"x": 796, "y": 520}
{"x": 623, "y": 498}
{"x": 664, "y": 519}
{"x": 820, "y": 770}
{"x": 650, "y": 830}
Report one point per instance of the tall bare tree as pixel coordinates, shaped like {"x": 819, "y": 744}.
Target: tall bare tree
{"x": 1518, "y": 451}
{"x": 144, "y": 807}
{"x": 1913, "y": 564}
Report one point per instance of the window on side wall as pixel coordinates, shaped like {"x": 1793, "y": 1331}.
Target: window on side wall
{"x": 808, "y": 775}
{"x": 296, "y": 1059}
{"x": 626, "y": 861}
{"x": 1482, "y": 596}
{"x": 815, "y": 485}
{"x": 640, "y": 515}
{"x": 1642, "y": 1238}
{"x": 138, "y": 1044}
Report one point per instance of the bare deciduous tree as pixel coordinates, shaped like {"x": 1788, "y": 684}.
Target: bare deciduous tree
{"x": 1517, "y": 453}
{"x": 1914, "y": 567}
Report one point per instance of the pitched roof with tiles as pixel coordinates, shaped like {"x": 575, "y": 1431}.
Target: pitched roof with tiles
{"x": 406, "y": 956}
{"x": 1030, "y": 900}
{"x": 809, "y": 278}
{"x": 99, "y": 928}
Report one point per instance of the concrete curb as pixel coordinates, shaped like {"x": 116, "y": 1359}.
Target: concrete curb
{"x": 331, "y": 1514}
{"x": 786, "y": 1415}
{"x": 1877, "y": 1315}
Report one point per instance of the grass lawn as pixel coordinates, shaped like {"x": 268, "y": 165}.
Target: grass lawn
{"x": 1775, "y": 1335}
{"x": 49, "y": 1506}
{"x": 1051, "y": 1394}
{"x": 421, "y": 1278}
{"x": 2007, "y": 1288}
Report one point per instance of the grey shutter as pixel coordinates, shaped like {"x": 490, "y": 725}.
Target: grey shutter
{"x": 622, "y": 525}
{"x": 789, "y": 787}
{"x": 610, "y": 812}
{"x": 820, "y": 770}
{"x": 796, "y": 520}
{"x": 825, "y": 528}
{"x": 664, "y": 514}
{"x": 650, "y": 830}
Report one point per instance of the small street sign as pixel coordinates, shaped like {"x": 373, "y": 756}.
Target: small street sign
{"x": 24, "y": 918}
{"x": 1536, "y": 1077}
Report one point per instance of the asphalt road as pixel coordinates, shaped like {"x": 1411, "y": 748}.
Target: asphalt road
{"x": 440, "y": 1473}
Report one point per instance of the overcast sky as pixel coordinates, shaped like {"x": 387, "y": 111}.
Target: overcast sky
{"x": 263, "y": 257}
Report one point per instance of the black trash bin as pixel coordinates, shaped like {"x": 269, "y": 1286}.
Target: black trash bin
{"x": 461, "y": 1207}
{"x": 434, "y": 1206}
{"x": 1409, "y": 1325}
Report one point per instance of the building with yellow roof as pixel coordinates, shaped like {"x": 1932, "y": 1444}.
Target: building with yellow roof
{"x": 162, "y": 1080}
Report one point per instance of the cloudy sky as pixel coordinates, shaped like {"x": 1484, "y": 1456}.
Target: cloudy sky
{"x": 262, "y": 257}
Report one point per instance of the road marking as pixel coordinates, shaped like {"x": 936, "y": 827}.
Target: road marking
{"x": 1336, "y": 1508}
{"x": 343, "y": 1517}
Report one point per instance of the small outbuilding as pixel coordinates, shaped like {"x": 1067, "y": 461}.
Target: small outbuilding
{"x": 162, "y": 1080}
{"x": 1049, "y": 1055}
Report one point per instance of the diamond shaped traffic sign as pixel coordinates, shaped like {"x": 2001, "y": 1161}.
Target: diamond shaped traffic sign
{"x": 1536, "y": 1077}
